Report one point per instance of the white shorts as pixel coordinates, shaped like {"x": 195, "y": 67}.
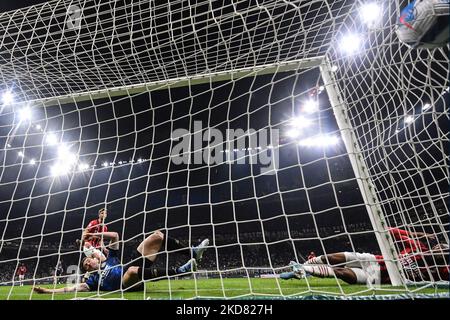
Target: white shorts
{"x": 21, "y": 276}
{"x": 89, "y": 251}
{"x": 365, "y": 266}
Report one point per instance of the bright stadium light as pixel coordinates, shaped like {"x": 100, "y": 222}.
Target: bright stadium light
{"x": 139, "y": 160}
{"x": 21, "y": 154}
{"x": 51, "y": 139}
{"x": 370, "y": 14}
{"x": 300, "y": 122}
{"x": 25, "y": 114}
{"x": 32, "y": 162}
{"x": 65, "y": 156}
{"x": 38, "y": 127}
{"x": 83, "y": 166}
{"x": 311, "y": 106}
{"x": 293, "y": 133}
{"x": 409, "y": 119}
{"x": 350, "y": 43}
{"x": 60, "y": 169}
{"x": 7, "y": 97}
{"x": 319, "y": 141}
{"x": 105, "y": 164}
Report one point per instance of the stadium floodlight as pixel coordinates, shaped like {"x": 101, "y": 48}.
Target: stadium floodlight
{"x": 426, "y": 106}
{"x": 293, "y": 133}
{"x": 32, "y": 161}
{"x": 83, "y": 166}
{"x": 25, "y": 114}
{"x": 38, "y": 127}
{"x": 370, "y": 14}
{"x": 21, "y": 154}
{"x": 311, "y": 106}
{"x": 7, "y": 97}
{"x": 409, "y": 119}
{"x": 65, "y": 156}
{"x": 300, "y": 122}
{"x": 139, "y": 160}
{"x": 60, "y": 169}
{"x": 51, "y": 139}
{"x": 105, "y": 164}
{"x": 319, "y": 141}
{"x": 350, "y": 43}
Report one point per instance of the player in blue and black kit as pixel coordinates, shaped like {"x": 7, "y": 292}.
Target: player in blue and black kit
{"x": 109, "y": 277}
{"x": 108, "y": 274}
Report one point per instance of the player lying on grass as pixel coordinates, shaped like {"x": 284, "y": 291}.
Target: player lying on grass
{"x": 111, "y": 275}
{"x": 419, "y": 263}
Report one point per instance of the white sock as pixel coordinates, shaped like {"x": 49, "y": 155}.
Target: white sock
{"x": 322, "y": 271}
{"x": 315, "y": 260}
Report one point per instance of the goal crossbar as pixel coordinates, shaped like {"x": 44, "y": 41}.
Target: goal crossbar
{"x": 259, "y": 70}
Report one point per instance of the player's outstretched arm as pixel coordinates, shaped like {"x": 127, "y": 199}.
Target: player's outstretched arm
{"x": 82, "y": 287}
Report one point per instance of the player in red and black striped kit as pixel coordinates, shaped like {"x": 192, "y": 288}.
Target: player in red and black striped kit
{"x": 21, "y": 273}
{"x": 420, "y": 262}
{"x": 93, "y": 245}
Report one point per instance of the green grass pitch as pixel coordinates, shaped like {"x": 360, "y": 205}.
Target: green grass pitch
{"x": 227, "y": 288}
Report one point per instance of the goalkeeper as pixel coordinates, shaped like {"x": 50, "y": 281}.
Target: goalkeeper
{"x": 109, "y": 274}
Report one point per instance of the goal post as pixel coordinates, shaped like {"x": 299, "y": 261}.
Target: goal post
{"x": 374, "y": 210}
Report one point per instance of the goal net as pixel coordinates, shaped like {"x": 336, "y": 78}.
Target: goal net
{"x": 276, "y": 129}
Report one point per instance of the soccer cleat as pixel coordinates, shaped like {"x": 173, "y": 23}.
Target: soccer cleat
{"x": 295, "y": 266}
{"x": 289, "y": 275}
{"x": 189, "y": 266}
{"x": 200, "y": 249}
{"x": 300, "y": 272}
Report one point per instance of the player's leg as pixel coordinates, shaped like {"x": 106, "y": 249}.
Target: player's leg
{"x": 368, "y": 275}
{"x": 159, "y": 240}
{"x": 136, "y": 274}
{"x": 324, "y": 271}
{"x": 330, "y": 259}
{"x": 150, "y": 247}
{"x": 359, "y": 260}
{"x": 347, "y": 259}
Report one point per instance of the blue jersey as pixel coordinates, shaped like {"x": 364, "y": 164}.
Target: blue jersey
{"x": 109, "y": 276}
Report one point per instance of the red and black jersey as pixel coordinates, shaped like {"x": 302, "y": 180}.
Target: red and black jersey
{"x": 21, "y": 270}
{"x": 95, "y": 227}
{"x": 405, "y": 243}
